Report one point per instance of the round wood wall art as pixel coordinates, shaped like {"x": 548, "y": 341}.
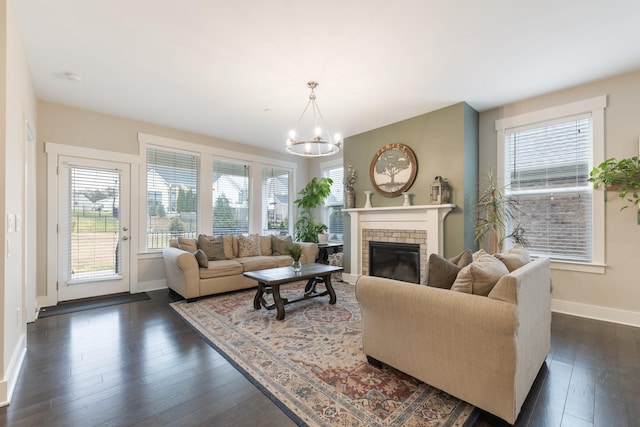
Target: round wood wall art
{"x": 393, "y": 169}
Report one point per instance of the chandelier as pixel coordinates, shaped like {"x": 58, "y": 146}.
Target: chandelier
{"x": 321, "y": 144}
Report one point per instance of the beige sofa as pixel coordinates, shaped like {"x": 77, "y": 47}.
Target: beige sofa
{"x": 485, "y": 350}
{"x": 187, "y": 278}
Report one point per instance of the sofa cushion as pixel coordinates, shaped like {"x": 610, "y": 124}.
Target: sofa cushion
{"x": 203, "y": 260}
{"x": 278, "y": 244}
{"x": 212, "y": 247}
{"x": 265, "y": 245}
{"x": 254, "y": 263}
{"x": 248, "y": 246}
{"x": 221, "y": 269}
{"x": 283, "y": 260}
{"x": 230, "y": 246}
{"x": 515, "y": 257}
{"x": 188, "y": 245}
{"x": 442, "y": 272}
{"x": 480, "y": 276}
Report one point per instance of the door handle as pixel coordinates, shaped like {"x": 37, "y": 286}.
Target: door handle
{"x": 125, "y": 229}
{"x": 125, "y": 238}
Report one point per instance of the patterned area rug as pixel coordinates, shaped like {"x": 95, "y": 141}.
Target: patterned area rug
{"x": 311, "y": 364}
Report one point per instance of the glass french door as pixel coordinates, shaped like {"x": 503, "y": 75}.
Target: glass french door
{"x": 93, "y": 228}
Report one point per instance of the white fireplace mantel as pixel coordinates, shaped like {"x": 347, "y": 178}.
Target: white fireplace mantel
{"x": 421, "y": 217}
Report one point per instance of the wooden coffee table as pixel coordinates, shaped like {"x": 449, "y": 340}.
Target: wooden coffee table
{"x": 269, "y": 280}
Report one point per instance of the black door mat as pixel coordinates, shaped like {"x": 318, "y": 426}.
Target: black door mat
{"x": 91, "y": 303}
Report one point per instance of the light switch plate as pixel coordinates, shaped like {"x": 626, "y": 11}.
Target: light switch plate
{"x": 11, "y": 223}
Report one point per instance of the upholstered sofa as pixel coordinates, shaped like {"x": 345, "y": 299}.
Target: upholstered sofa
{"x": 485, "y": 350}
{"x": 192, "y": 274}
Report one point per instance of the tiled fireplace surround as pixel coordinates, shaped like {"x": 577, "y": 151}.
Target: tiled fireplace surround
{"x": 422, "y": 224}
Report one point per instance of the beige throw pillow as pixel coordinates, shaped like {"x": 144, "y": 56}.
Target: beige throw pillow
{"x": 515, "y": 257}
{"x": 480, "y": 276}
{"x": 188, "y": 245}
{"x": 265, "y": 245}
{"x": 227, "y": 246}
{"x": 249, "y": 245}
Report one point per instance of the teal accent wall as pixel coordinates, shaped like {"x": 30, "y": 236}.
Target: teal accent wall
{"x": 445, "y": 143}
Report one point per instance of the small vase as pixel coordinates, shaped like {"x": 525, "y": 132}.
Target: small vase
{"x": 297, "y": 265}
{"x": 350, "y": 199}
{"x": 407, "y": 199}
{"x": 367, "y": 203}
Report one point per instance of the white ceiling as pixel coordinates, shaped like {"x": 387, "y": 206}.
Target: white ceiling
{"x": 238, "y": 69}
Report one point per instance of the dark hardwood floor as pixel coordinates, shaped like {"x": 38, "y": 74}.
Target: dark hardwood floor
{"x": 140, "y": 364}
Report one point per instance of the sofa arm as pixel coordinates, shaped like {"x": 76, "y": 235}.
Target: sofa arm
{"x": 309, "y": 252}
{"x": 182, "y": 271}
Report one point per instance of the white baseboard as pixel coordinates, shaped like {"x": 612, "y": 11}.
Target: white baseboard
{"x": 13, "y": 371}
{"x": 152, "y": 285}
{"x": 595, "y": 312}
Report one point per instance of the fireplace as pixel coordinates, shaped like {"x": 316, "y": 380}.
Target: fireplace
{"x": 400, "y": 261}
{"x": 420, "y": 224}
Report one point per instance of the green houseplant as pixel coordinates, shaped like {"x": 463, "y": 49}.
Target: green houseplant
{"x": 619, "y": 175}
{"x": 295, "y": 252}
{"x": 494, "y": 212}
{"x": 313, "y": 195}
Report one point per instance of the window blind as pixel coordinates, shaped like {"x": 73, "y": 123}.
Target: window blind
{"x": 172, "y": 196}
{"x": 275, "y": 200}
{"x": 335, "y": 202}
{"x": 546, "y": 171}
{"x": 230, "y": 197}
{"x": 92, "y": 224}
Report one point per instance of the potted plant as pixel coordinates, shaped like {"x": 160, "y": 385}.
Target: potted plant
{"x": 619, "y": 175}
{"x": 295, "y": 252}
{"x": 313, "y": 195}
{"x": 494, "y": 212}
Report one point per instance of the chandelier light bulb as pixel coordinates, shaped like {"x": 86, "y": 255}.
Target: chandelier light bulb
{"x": 318, "y": 131}
{"x": 337, "y": 138}
{"x": 292, "y": 134}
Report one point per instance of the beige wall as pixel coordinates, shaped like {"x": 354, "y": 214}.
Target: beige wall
{"x": 71, "y": 126}
{"x": 18, "y": 105}
{"x": 445, "y": 143}
{"x": 614, "y": 295}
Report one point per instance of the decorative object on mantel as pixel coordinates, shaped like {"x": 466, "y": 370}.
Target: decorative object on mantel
{"x": 393, "y": 169}
{"x": 321, "y": 144}
{"x": 367, "y": 203}
{"x": 407, "y": 199}
{"x": 349, "y": 192}
{"x": 440, "y": 191}
{"x": 622, "y": 176}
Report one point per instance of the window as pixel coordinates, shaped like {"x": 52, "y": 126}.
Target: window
{"x": 545, "y": 158}
{"x": 275, "y": 200}
{"x": 332, "y": 215}
{"x": 230, "y": 197}
{"x": 172, "y": 196}
{"x": 546, "y": 171}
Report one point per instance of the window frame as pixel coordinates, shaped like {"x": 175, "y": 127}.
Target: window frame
{"x": 595, "y": 107}
{"x": 325, "y": 167}
{"x": 205, "y": 207}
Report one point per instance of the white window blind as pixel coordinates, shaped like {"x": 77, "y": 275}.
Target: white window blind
{"x": 546, "y": 171}
{"x": 92, "y": 224}
{"x": 275, "y": 200}
{"x": 230, "y": 197}
{"x": 172, "y": 196}
{"x": 333, "y": 216}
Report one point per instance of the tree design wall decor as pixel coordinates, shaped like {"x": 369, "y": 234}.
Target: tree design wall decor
{"x": 393, "y": 169}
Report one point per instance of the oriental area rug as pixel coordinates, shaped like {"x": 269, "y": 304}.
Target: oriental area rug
{"x": 311, "y": 363}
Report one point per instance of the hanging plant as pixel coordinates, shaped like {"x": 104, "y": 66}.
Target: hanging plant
{"x": 622, "y": 176}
